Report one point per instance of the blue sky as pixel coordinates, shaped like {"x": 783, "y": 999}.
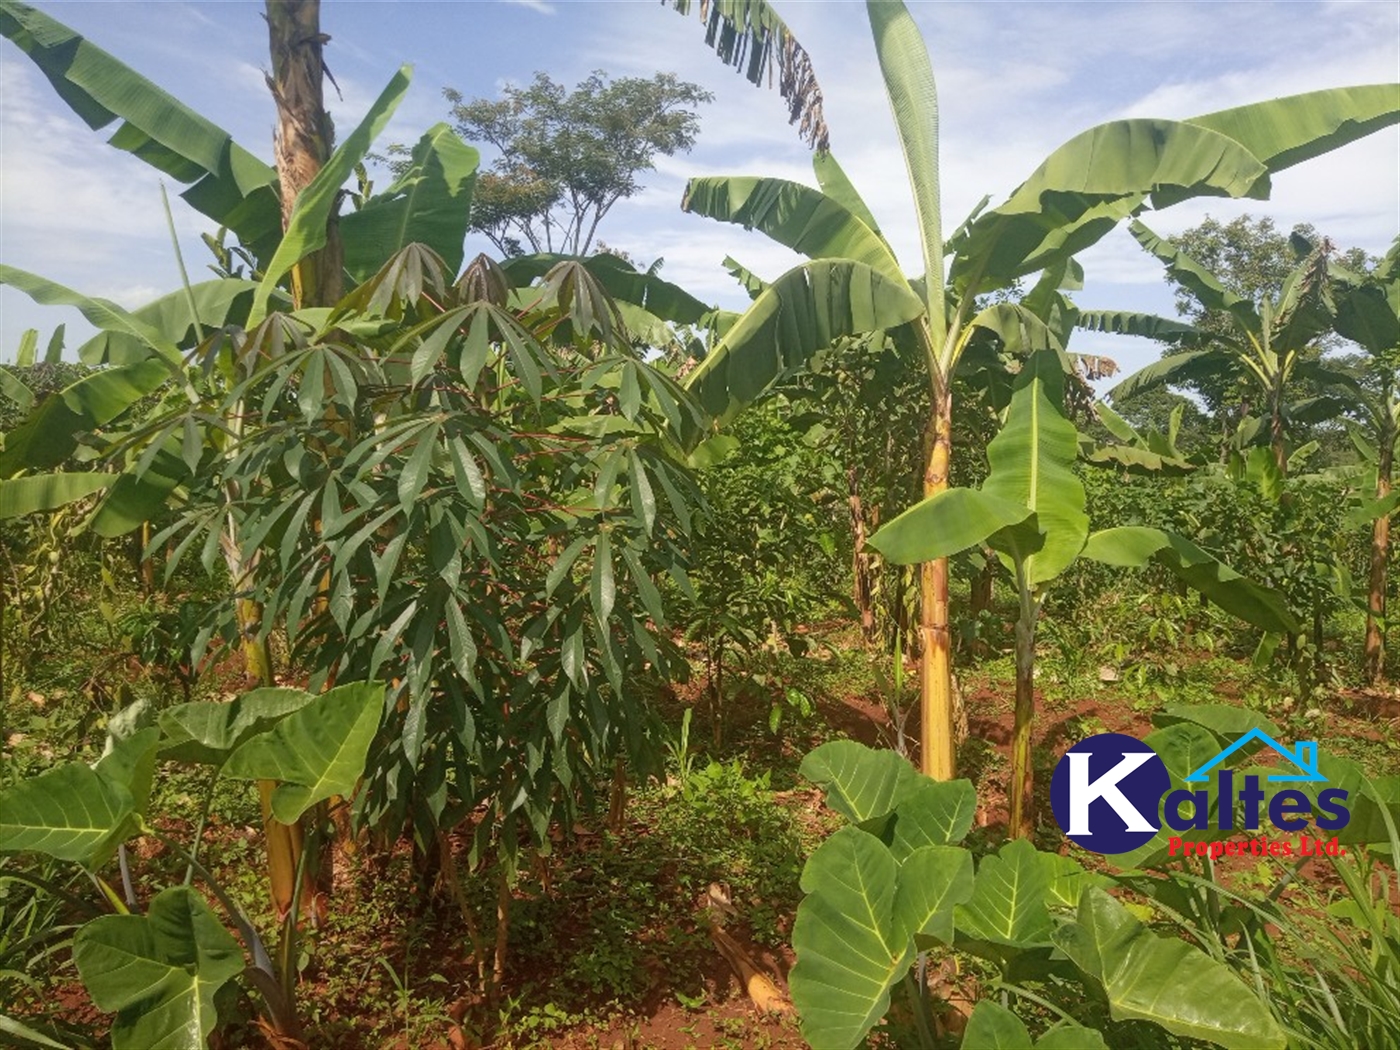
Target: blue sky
{"x": 1015, "y": 81}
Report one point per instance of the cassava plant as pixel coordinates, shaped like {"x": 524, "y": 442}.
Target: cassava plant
{"x": 486, "y": 497}
{"x": 1031, "y": 511}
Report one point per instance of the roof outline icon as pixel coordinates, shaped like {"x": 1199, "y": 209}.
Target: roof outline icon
{"x": 1303, "y": 755}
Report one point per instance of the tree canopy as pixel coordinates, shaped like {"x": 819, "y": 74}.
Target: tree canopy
{"x": 566, "y": 157}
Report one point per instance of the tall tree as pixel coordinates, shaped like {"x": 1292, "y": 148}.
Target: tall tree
{"x": 566, "y": 157}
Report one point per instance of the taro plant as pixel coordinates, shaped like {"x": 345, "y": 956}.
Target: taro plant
{"x": 164, "y": 972}
{"x": 896, "y": 882}
{"x": 1031, "y": 511}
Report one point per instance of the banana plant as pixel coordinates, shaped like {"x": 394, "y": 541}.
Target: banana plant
{"x": 854, "y": 284}
{"x": 1031, "y": 511}
{"x": 1266, "y": 345}
{"x": 1368, "y": 313}
{"x": 895, "y": 881}
{"x": 161, "y": 972}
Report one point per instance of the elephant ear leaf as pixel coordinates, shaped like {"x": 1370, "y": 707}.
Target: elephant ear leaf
{"x": 1164, "y": 979}
{"x": 1136, "y": 546}
{"x": 208, "y": 731}
{"x": 72, "y": 812}
{"x": 158, "y": 972}
{"x": 861, "y": 783}
{"x": 1008, "y": 902}
{"x": 851, "y": 946}
{"x": 316, "y": 752}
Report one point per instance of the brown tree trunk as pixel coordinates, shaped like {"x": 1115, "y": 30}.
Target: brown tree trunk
{"x": 304, "y": 137}
{"x": 1380, "y": 550}
{"x": 936, "y": 661}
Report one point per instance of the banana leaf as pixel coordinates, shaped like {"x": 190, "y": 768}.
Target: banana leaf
{"x": 226, "y": 182}
{"x": 803, "y": 311}
{"x": 797, "y": 216}
{"x": 430, "y": 203}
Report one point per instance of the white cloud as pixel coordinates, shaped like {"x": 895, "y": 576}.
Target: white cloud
{"x": 534, "y": 5}
{"x": 1015, "y": 81}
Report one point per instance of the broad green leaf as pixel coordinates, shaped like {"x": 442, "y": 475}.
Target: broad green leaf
{"x": 1093, "y": 182}
{"x": 217, "y": 303}
{"x": 13, "y": 388}
{"x": 107, "y": 316}
{"x": 748, "y": 280}
{"x": 909, "y": 86}
{"x": 1283, "y": 132}
{"x": 933, "y": 813}
{"x": 1019, "y": 331}
{"x": 1227, "y": 721}
{"x": 50, "y": 433}
{"x": 1136, "y": 546}
{"x": 1007, "y": 905}
{"x": 797, "y": 216}
{"x": 208, "y": 731}
{"x": 316, "y": 752}
{"x": 20, "y": 496}
{"x": 1071, "y": 1037}
{"x": 860, "y": 782}
{"x": 1032, "y": 459}
{"x": 955, "y": 520}
{"x": 229, "y": 184}
{"x": 306, "y": 230}
{"x": 994, "y": 1027}
{"x": 850, "y": 949}
{"x": 1164, "y": 979}
{"x": 71, "y": 812}
{"x": 932, "y": 881}
{"x": 429, "y": 203}
{"x": 129, "y": 761}
{"x": 832, "y": 179}
{"x": 135, "y": 497}
{"x": 1367, "y": 316}
{"x": 158, "y": 972}
{"x": 803, "y": 311}
{"x": 1066, "y": 880}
